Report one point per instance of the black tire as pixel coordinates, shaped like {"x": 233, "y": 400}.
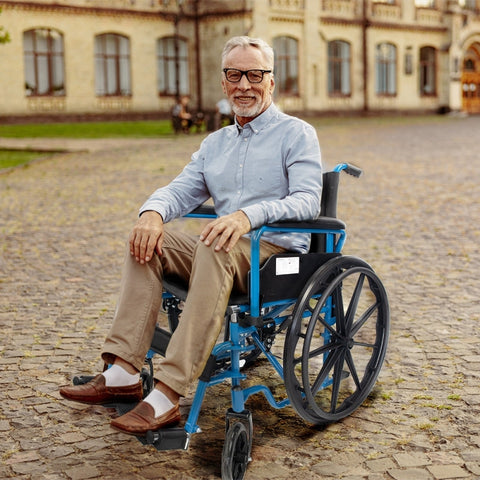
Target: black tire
{"x": 236, "y": 452}
{"x": 336, "y": 344}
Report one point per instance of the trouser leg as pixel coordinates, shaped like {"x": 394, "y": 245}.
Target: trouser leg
{"x": 140, "y": 299}
{"x": 212, "y": 278}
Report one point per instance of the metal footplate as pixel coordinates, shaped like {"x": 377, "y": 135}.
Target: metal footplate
{"x": 167, "y": 439}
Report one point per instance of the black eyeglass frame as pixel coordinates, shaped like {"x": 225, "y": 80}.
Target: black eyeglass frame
{"x": 245, "y": 72}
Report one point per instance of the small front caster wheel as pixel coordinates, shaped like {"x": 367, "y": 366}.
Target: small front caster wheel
{"x": 236, "y": 452}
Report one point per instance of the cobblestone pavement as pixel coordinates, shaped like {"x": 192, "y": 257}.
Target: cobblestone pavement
{"x": 413, "y": 216}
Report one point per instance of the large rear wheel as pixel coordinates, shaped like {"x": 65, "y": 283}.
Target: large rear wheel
{"x": 336, "y": 344}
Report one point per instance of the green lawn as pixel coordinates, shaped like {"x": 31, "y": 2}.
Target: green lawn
{"x": 13, "y": 158}
{"x": 88, "y": 129}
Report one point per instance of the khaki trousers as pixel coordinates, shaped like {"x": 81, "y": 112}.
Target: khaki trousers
{"x": 211, "y": 276}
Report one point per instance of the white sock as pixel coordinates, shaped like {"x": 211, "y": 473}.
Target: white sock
{"x": 159, "y": 401}
{"x": 116, "y": 376}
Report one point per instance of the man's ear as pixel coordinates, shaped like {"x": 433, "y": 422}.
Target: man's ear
{"x": 272, "y": 84}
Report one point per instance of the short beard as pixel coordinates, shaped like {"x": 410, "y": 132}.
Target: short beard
{"x": 249, "y": 112}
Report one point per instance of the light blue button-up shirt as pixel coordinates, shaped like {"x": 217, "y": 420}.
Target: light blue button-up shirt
{"x": 270, "y": 169}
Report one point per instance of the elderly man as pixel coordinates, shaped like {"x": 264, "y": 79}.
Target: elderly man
{"x": 263, "y": 169}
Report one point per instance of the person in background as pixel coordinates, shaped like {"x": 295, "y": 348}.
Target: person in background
{"x": 223, "y": 114}
{"x": 181, "y": 117}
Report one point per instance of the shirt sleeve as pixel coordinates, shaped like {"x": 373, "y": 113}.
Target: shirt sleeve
{"x": 183, "y": 194}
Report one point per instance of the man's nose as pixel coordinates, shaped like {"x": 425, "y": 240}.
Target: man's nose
{"x": 244, "y": 84}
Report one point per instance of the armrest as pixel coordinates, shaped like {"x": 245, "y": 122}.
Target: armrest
{"x": 203, "y": 211}
{"x": 321, "y": 223}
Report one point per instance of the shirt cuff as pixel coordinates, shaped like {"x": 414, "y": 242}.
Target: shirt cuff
{"x": 255, "y": 215}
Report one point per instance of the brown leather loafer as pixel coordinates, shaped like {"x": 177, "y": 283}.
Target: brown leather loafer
{"x": 96, "y": 392}
{"x": 142, "y": 419}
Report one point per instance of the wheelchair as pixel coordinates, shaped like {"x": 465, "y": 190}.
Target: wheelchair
{"x": 333, "y": 311}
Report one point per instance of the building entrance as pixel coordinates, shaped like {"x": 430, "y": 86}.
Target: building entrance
{"x": 471, "y": 80}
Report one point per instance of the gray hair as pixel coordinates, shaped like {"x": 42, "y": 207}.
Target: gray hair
{"x": 245, "y": 42}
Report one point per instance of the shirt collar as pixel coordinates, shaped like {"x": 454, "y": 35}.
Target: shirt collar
{"x": 260, "y": 122}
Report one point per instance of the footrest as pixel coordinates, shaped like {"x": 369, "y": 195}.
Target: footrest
{"x": 82, "y": 379}
{"x": 167, "y": 439}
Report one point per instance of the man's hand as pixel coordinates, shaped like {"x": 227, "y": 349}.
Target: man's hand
{"x": 228, "y": 229}
{"x": 146, "y": 236}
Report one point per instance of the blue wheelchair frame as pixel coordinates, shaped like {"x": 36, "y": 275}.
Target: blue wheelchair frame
{"x": 232, "y": 349}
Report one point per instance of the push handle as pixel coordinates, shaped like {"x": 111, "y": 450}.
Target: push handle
{"x": 349, "y": 168}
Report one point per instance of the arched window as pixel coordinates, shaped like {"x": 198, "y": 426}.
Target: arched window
{"x": 44, "y": 62}
{"x": 286, "y": 65}
{"x": 339, "y": 79}
{"x": 172, "y": 66}
{"x": 428, "y": 71}
{"x": 469, "y": 65}
{"x": 112, "y": 65}
{"x": 386, "y": 69}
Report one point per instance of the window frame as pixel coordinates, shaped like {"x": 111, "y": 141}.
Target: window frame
{"x": 386, "y": 70}
{"x": 427, "y": 68}
{"x": 115, "y": 67}
{"x": 337, "y": 64}
{"x": 47, "y": 64}
{"x": 167, "y": 78}
{"x": 287, "y": 71}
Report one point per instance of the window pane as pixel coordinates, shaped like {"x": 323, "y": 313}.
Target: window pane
{"x": 28, "y": 41}
{"x": 110, "y": 45}
{"x": 286, "y": 64}
{"x": 112, "y": 65}
{"x": 41, "y": 43}
{"x": 125, "y": 76}
{"x": 428, "y": 71}
{"x": 42, "y": 72}
{"x": 386, "y": 69}
{"x": 43, "y": 62}
{"x": 171, "y": 66}
{"x": 339, "y": 68}
{"x": 99, "y": 77}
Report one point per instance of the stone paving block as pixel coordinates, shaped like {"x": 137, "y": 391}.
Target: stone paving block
{"x": 442, "y": 472}
{"x": 445, "y": 458}
{"x": 471, "y": 455}
{"x": 82, "y": 472}
{"x": 408, "y": 460}
{"x": 73, "y": 437}
{"x": 380, "y": 464}
{"x": 410, "y": 474}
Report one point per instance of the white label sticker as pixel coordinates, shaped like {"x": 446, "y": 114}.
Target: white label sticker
{"x": 287, "y": 265}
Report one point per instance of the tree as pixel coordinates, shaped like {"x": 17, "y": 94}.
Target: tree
{"x": 4, "y": 35}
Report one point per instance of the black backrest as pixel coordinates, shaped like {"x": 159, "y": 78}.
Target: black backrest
{"x": 328, "y": 207}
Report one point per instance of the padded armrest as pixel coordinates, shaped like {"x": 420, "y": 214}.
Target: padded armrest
{"x": 207, "y": 210}
{"x": 324, "y": 223}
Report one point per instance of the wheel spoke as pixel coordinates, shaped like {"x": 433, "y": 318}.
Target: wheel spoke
{"x": 339, "y": 311}
{"x": 330, "y": 346}
{"x": 352, "y": 368}
{"x": 322, "y": 375}
{"x": 352, "y": 307}
{"x": 364, "y": 344}
{"x": 363, "y": 319}
{"x": 320, "y": 318}
{"x": 337, "y": 378}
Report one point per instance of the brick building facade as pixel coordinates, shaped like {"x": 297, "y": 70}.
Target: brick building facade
{"x": 71, "y": 57}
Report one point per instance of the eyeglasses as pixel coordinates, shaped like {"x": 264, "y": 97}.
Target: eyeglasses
{"x": 253, "y": 76}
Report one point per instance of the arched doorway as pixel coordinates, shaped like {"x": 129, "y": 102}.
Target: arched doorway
{"x": 471, "y": 79}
